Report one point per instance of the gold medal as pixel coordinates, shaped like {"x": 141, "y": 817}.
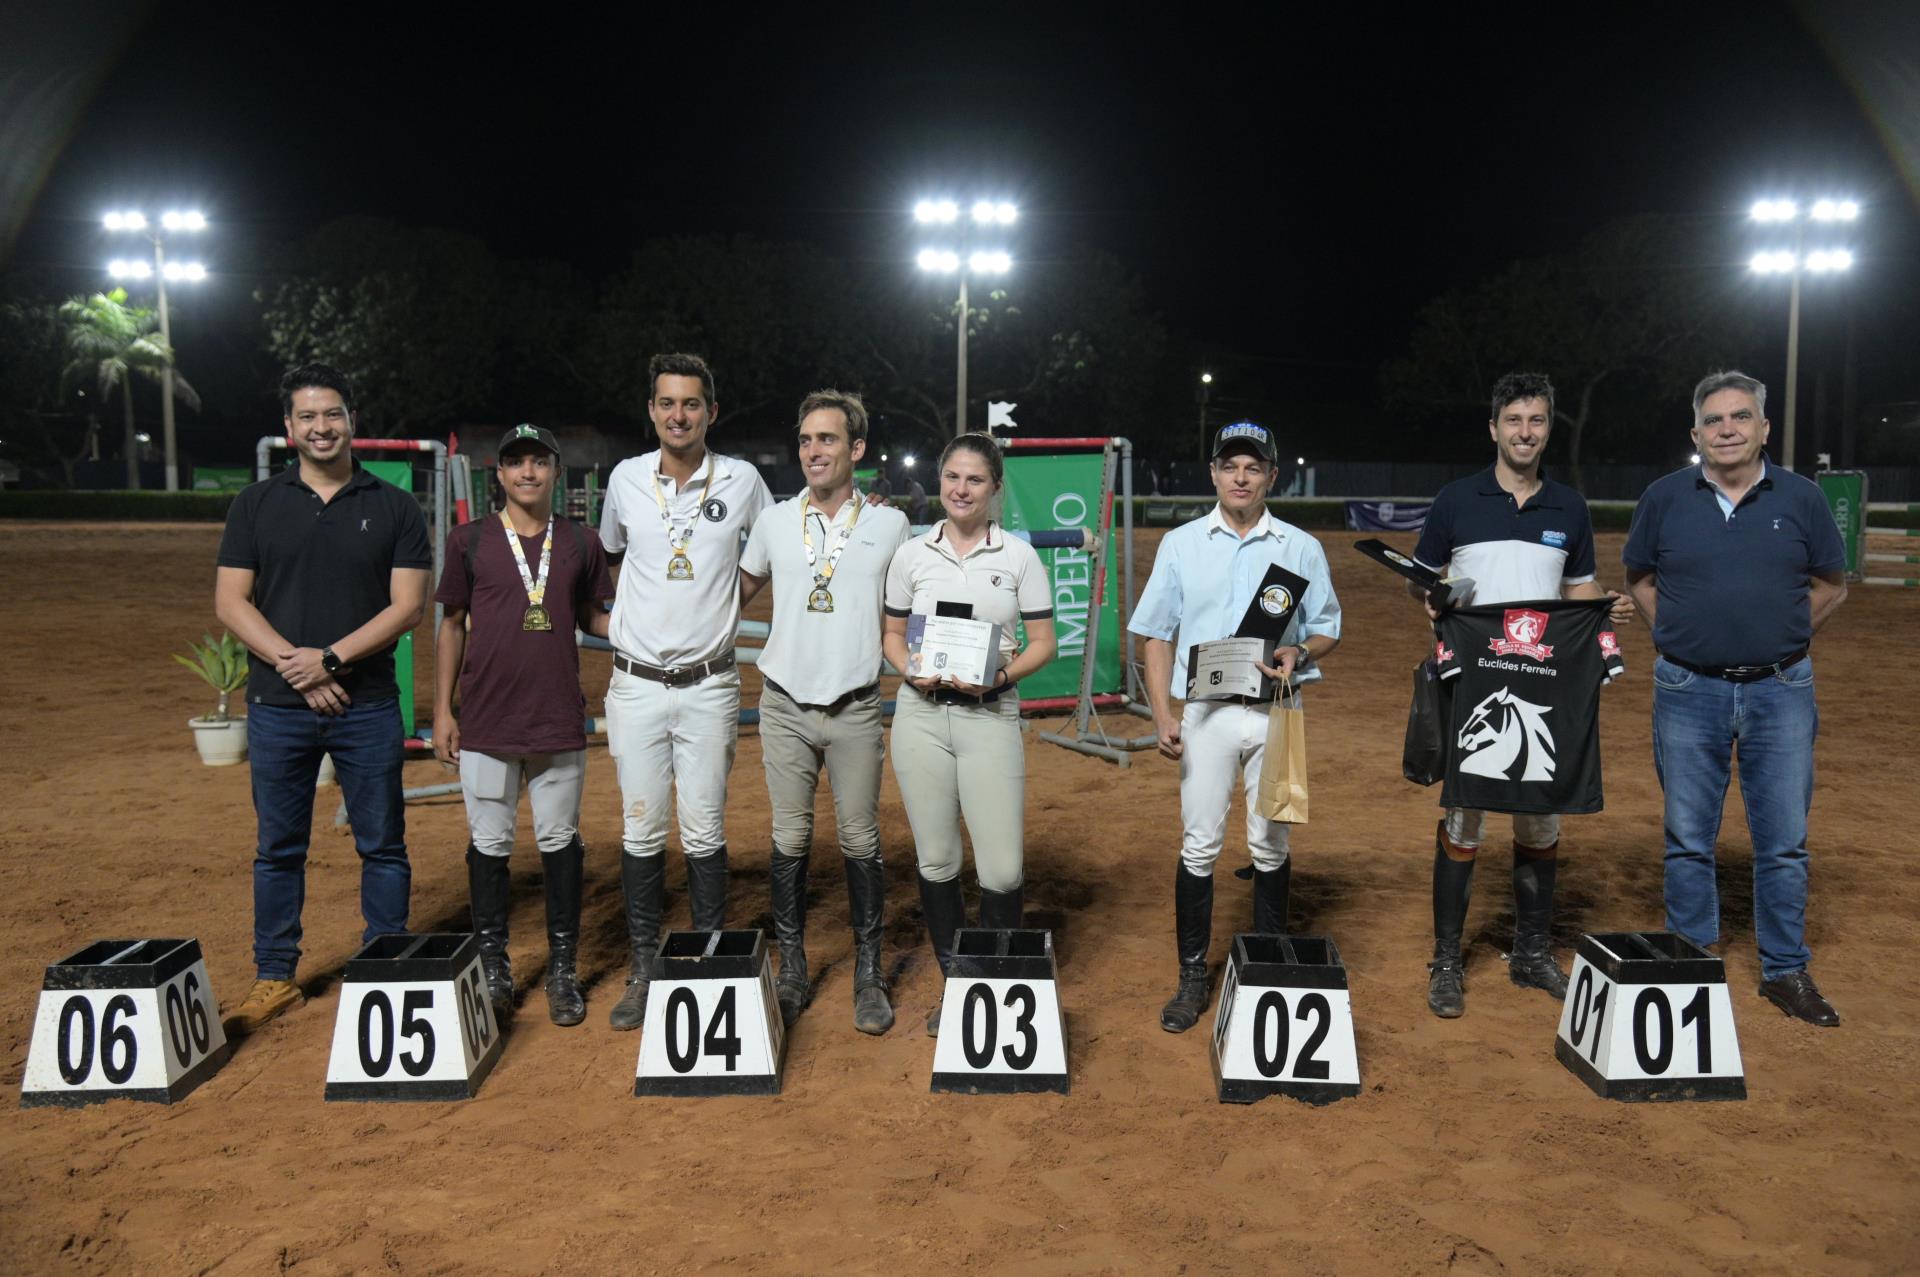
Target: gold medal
{"x": 536, "y": 618}
{"x": 821, "y": 600}
{"x": 679, "y": 568}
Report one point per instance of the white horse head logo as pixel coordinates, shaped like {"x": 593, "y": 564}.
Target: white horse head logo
{"x": 1501, "y": 729}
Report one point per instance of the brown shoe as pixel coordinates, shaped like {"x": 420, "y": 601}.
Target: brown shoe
{"x": 1795, "y": 994}
{"x": 267, "y": 1000}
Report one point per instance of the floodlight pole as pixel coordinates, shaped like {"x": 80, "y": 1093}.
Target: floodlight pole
{"x": 166, "y": 369}
{"x": 960, "y": 394}
{"x": 1793, "y": 355}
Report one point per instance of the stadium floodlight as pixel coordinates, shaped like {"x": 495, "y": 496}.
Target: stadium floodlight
{"x": 941, "y": 260}
{"x": 1836, "y": 210}
{"x": 134, "y": 269}
{"x": 937, "y": 211}
{"x": 1005, "y": 213}
{"x": 162, "y": 270}
{"x": 986, "y": 215}
{"x": 1823, "y": 260}
{"x": 1775, "y": 262}
{"x": 193, "y": 271}
{"x": 990, "y": 263}
{"x": 1775, "y": 210}
{"x": 907, "y": 461}
{"x": 184, "y": 221}
{"x": 125, "y": 221}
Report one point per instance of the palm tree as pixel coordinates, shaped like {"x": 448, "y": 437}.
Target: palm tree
{"x": 111, "y": 341}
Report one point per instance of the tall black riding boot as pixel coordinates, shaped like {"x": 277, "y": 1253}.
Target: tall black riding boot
{"x": 1452, "y": 889}
{"x": 1193, "y": 933}
{"x": 1003, "y": 910}
{"x": 1532, "y": 966}
{"x": 562, "y": 871}
{"x": 866, "y": 912}
{"x": 1270, "y": 891}
{"x": 788, "y": 881}
{"x": 643, "y": 881}
{"x": 489, "y": 889}
{"x": 707, "y": 890}
{"x": 945, "y": 912}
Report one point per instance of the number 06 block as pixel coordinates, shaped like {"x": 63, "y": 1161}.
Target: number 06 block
{"x": 414, "y": 1022}
{"x": 1648, "y": 1017}
{"x": 124, "y": 1020}
{"x": 1000, "y": 1026}
{"x": 1285, "y": 1022}
{"x": 712, "y": 1026}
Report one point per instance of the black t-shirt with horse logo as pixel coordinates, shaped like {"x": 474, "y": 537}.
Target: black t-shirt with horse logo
{"x": 1525, "y": 681}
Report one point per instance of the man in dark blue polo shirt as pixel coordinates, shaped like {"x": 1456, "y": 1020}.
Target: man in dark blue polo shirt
{"x": 1519, "y": 536}
{"x": 1736, "y": 564}
{"x": 322, "y": 568}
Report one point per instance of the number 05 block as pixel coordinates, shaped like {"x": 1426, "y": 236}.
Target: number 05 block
{"x": 124, "y": 1020}
{"x": 1285, "y": 1022}
{"x": 712, "y": 1026}
{"x": 414, "y": 1022}
{"x": 1000, "y": 1026}
{"x": 1648, "y": 1017}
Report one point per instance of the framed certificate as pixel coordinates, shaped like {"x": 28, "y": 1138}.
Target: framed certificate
{"x": 1227, "y": 667}
{"x": 953, "y": 648}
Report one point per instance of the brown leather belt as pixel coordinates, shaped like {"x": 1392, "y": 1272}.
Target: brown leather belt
{"x": 1742, "y": 673}
{"x": 674, "y": 675}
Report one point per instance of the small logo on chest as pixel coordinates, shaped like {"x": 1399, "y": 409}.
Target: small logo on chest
{"x": 364, "y": 522}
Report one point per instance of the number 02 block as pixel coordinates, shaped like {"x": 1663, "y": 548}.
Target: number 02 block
{"x": 1000, "y": 1026}
{"x": 124, "y": 1020}
{"x": 1284, "y": 1025}
{"x": 414, "y": 1022}
{"x": 1648, "y": 1017}
{"x": 712, "y": 1026}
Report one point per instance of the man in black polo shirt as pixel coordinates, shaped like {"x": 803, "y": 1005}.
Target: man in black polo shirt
{"x": 1736, "y": 564}
{"x": 322, "y": 568}
{"x": 1519, "y": 536}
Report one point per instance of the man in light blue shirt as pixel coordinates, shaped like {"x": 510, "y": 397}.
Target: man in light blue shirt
{"x": 1204, "y": 578}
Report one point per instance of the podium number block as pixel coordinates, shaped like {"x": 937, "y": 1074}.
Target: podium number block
{"x": 414, "y": 1022}
{"x": 1000, "y": 1026}
{"x": 713, "y": 1026}
{"x": 1648, "y": 1017}
{"x": 1284, "y": 1024}
{"x": 124, "y": 1020}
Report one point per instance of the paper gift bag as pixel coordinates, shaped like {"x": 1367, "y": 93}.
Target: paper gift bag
{"x": 1283, "y": 771}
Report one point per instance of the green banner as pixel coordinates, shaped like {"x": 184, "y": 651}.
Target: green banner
{"x": 400, "y": 475}
{"x": 1846, "y": 494}
{"x": 1042, "y": 494}
{"x": 221, "y": 479}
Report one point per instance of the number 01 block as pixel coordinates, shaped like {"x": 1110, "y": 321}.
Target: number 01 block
{"x": 414, "y": 1022}
{"x": 1648, "y": 1017}
{"x": 712, "y": 1026}
{"x": 124, "y": 1020}
{"x": 1284, "y": 1025}
{"x": 1000, "y": 1026}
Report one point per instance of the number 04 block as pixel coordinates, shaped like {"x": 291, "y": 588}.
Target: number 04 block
{"x": 1648, "y": 1017}
{"x": 713, "y": 1026}
{"x": 1000, "y": 1026}
{"x": 414, "y": 1022}
{"x": 124, "y": 1020}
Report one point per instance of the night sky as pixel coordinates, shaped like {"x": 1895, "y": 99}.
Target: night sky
{"x": 1289, "y": 185}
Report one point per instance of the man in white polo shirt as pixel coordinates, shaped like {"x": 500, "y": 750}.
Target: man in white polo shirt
{"x": 676, "y": 517}
{"x": 826, "y": 552}
{"x": 1204, "y": 577}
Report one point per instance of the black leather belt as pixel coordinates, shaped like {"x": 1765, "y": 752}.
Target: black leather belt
{"x": 1741, "y": 673}
{"x": 834, "y": 706}
{"x": 674, "y": 675}
{"x": 953, "y": 696}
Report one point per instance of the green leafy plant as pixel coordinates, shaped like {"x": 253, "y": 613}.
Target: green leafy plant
{"x": 223, "y": 664}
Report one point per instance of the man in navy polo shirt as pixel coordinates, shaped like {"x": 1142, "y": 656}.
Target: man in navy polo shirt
{"x": 1736, "y": 564}
{"x": 1520, "y": 536}
{"x": 322, "y": 568}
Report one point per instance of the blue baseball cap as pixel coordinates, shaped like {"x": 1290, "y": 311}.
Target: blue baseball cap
{"x": 1245, "y": 435}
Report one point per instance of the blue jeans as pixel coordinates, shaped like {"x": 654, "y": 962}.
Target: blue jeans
{"x": 1697, "y": 721}
{"x": 284, "y": 746}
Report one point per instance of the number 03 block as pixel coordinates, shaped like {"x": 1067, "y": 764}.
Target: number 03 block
{"x": 1648, "y": 1017}
{"x": 1000, "y": 1026}
{"x": 414, "y": 1022}
{"x": 124, "y": 1020}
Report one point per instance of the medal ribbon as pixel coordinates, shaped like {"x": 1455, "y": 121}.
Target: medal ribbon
{"x": 536, "y": 591}
{"x": 678, "y": 539}
{"x": 820, "y": 578}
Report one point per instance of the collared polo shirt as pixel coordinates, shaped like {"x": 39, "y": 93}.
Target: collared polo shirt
{"x": 322, "y": 569}
{"x": 658, "y": 621}
{"x": 1205, "y": 576}
{"x": 1476, "y": 529}
{"x": 1733, "y": 587}
{"x": 818, "y": 657}
{"x": 1002, "y": 577}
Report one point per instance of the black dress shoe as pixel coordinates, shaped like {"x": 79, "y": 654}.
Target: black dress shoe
{"x": 1795, "y": 994}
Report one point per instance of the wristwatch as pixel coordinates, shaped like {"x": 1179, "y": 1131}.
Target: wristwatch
{"x": 1305, "y": 658}
{"x": 331, "y": 663}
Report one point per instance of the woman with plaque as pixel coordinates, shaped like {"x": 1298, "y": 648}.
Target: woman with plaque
{"x": 515, "y": 585}
{"x": 954, "y": 598}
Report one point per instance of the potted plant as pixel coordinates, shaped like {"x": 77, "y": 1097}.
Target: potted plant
{"x": 221, "y": 738}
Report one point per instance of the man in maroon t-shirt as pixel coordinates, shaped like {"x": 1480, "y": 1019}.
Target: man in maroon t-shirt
{"x": 524, "y": 578}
